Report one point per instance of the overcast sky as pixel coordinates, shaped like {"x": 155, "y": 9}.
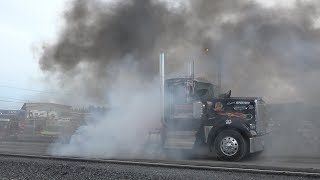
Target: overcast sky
{"x": 24, "y": 26}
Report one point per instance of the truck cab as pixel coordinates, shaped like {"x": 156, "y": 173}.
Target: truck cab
{"x": 195, "y": 116}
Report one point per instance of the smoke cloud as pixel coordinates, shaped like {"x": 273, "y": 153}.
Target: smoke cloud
{"x": 100, "y": 37}
{"x": 270, "y": 52}
{"x": 273, "y": 50}
{"x": 122, "y": 132}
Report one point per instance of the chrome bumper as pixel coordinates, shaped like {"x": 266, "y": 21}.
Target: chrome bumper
{"x": 257, "y": 144}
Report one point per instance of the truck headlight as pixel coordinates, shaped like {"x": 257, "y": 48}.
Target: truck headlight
{"x": 252, "y": 126}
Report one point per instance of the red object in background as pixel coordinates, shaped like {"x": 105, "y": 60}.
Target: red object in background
{"x": 21, "y": 125}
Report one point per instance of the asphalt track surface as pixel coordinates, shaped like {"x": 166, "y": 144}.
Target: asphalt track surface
{"x": 29, "y": 160}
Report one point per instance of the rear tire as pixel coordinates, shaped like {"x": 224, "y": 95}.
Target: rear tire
{"x": 230, "y": 145}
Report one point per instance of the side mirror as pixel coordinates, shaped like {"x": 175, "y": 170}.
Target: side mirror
{"x": 226, "y": 95}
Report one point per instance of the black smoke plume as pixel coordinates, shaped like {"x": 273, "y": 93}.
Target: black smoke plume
{"x": 98, "y": 37}
{"x": 271, "y": 52}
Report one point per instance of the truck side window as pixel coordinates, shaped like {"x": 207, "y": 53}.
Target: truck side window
{"x": 204, "y": 91}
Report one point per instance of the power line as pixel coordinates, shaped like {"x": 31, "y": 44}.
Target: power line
{"x": 24, "y": 89}
{"x": 8, "y": 101}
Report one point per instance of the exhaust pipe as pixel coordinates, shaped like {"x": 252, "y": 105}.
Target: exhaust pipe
{"x": 153, "y": 142}
{"x": 161, "y": 72}
{"x": 191, "y": 69}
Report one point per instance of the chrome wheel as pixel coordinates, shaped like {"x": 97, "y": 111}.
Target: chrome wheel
{"x": 229, "y": 146}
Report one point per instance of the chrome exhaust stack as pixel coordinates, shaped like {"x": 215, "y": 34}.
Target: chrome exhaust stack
{"x": 161, "y": 73}
{"x": 153, "y": 139}
{"x": 191, "y": 69}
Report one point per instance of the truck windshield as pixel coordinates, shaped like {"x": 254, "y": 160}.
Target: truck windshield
{"x": 176, "y": 92}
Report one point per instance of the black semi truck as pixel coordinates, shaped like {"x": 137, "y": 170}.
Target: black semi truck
{"x": 195, "y": 116}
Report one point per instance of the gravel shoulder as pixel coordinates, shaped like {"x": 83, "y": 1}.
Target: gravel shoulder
{"x": 37, "y": 168}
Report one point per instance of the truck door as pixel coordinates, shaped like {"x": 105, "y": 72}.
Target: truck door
{"x": 182, "y": 116}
